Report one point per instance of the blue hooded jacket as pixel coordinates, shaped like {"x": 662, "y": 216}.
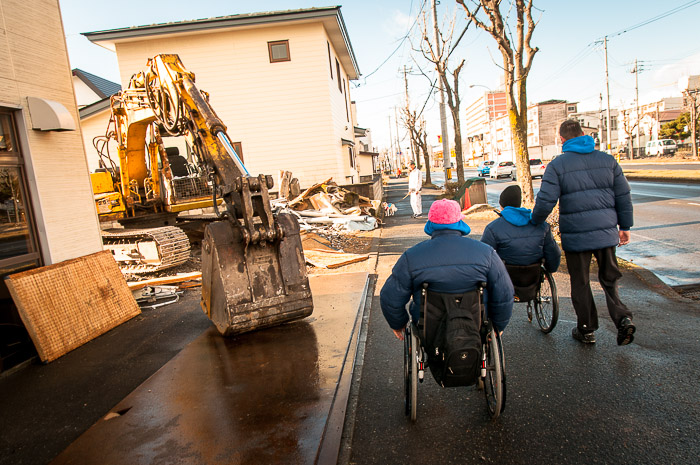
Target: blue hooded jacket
{"x": 450, "y": 263}
{"x": 519, "y": 242}
{"x": 593, "y": 193}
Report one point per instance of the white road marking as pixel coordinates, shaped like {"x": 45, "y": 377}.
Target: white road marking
{"x": 693, "y": 203}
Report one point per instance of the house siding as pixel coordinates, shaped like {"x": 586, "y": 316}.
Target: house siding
{"x": 280, "y": 112}
{"x": 35, "y": 63}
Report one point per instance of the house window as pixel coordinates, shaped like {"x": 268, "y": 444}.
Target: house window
{"x": 352, "y": 158}
{"x": 279, "y": 51}
{"x": 571, "y": 108}
{"x": 337, "y": 73}
{"x": 330, "y": 63}
{"x": 239, "y": 150}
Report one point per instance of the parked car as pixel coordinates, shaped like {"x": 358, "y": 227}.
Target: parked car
{"x": 536, "y": 169}
{"x": 661, "y": 147}
{"x": 502, "y": 169}
{"x": 484, "y": 167}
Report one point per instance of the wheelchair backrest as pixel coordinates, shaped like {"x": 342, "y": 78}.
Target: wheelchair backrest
{"x": 526, "y": 280}
{"x": 451, "y": 328}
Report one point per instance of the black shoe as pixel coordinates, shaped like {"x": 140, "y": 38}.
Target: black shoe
{"x": 586, "y": 338}
{"x": 625, "y": 332}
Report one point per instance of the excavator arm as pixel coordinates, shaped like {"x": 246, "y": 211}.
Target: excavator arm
{"x": 253, "y": 268}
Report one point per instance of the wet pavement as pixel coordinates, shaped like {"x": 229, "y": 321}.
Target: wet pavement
{"x": 262, "y": 397}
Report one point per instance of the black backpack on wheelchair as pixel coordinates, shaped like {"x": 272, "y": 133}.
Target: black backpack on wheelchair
{"x": 450, "y": 328}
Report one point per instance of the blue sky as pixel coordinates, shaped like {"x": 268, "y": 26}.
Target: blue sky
{"x": 568, "y": 66}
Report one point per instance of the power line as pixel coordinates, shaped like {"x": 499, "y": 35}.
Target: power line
{"x": 401, "y": 42}
{"x": 654, "y": 19}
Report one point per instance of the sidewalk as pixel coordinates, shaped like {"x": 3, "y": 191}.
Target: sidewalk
{"x": 566, "y": 401}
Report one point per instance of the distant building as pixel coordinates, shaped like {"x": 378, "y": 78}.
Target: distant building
{"x": 595, "y": 124}
{"x": 651, "y": 117}
{"x": 280, "y": 81}
{"x": 479, "y": 127}
{"x": 543, "y": 120}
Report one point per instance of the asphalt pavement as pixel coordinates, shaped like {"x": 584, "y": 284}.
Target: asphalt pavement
{"x": 566, "y": 402}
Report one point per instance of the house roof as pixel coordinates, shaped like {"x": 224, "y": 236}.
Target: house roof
{"x": 95, "y": 108}
{"x": 331, "y": 18}
{"x": 669, "y": 115}
{"x": 102, "y": 87}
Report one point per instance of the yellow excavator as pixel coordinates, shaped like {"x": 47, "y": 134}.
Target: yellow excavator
{"x": 253, "y": 268}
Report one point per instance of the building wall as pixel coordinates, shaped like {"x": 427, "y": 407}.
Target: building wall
{"x": 287, "y": 115}
{"x": 35, "y": 63}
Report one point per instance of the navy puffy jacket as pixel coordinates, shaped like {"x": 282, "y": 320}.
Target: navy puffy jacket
{"x": 593, "y": 193}
{"x": 449, "y": 263}
{"x": 519, "y": 242}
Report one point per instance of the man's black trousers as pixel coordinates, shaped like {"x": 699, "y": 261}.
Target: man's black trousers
{"x": 579, "y": 264}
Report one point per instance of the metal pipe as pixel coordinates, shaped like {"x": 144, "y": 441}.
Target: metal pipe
{"x": 223, "y": 138}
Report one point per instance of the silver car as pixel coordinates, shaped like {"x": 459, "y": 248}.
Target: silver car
{"x": 536, "y": 169}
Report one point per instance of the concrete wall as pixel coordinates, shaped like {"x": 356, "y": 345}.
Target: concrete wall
{"x": 287, "y": 115}
{"x": 35, "y": 64}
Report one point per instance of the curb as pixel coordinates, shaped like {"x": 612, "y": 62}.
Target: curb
{"x": 657, "y": 179}
{"x": 651, "y": 280}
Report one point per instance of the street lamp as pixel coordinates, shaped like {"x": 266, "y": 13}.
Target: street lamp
{"x": 488, "y": 112}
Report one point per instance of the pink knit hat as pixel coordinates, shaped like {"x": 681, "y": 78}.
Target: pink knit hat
{"x": 444, "y": 211}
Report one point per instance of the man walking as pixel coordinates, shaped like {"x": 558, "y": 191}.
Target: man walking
{"x": 415, "y": 184}
{"x": 595, "y": 216}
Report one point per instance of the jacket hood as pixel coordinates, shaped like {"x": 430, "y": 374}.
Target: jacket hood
{"x": 516, "y": 216}
{"x": 459, "y": 226}
{"x": 581, "y": 144}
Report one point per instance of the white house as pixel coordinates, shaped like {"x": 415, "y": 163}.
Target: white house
{"x": 280, "y": 81}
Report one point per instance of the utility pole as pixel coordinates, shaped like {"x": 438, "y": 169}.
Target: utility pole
{"x": 398, "y": 145}
{"x": 600, "y": 122}
{"x": 607, "y": 88}
{"x": 410, "y": 122}
{"x": 391, "y": 144}
{"x": 443, "y": 115}
{"x": 636, "y": 90}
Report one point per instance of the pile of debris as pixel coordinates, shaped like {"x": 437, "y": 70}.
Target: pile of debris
{"x": 328, "y": 206}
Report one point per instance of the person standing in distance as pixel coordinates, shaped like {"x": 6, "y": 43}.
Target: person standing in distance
{"x": 595, "y": 217}
{"x": 415, "y": 184}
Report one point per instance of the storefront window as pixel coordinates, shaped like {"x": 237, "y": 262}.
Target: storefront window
{"x": 18, "y": 246}
{"x": 15, "y": 238}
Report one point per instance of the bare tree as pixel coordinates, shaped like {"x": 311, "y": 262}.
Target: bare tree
{"x": 629, "y": 130}
{"x": 415, "y": 125}
{"x": 438, "y": 54}
{"x": 517, "y": 57}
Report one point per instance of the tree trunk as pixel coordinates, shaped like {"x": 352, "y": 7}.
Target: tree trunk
{"x": 517, "y": 112}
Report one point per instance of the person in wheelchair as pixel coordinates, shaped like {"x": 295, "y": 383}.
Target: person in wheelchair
{"x": 516, "y": 240}
{"x": 449, "y": 263}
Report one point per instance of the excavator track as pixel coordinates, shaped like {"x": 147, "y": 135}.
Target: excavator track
{"x": 147, "y": 250}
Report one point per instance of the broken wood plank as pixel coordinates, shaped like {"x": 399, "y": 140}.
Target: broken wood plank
{"x": 166, "y": 280}
{"x": 308, "y": 192}
{"x": 327, "y": 259}
{"x": 67, "y": 304}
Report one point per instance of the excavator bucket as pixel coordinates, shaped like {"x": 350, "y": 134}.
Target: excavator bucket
{"x": 245, "y": 288}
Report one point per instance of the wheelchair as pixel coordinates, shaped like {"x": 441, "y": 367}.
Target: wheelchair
{"x": 485, "y": 366}
{"x": 535, "y": 286}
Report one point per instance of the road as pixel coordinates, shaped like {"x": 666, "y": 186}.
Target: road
{"x": 664, "y": 238}
{"x": 566, "y": 402}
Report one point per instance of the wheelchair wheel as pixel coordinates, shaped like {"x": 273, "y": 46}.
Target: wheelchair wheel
{"x": 495, "y": 380}
{"x": 547, "y": 303}
{"x": 410, "y": 371}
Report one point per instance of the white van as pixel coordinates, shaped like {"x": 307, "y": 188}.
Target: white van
{"x": 661, "y": 147}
